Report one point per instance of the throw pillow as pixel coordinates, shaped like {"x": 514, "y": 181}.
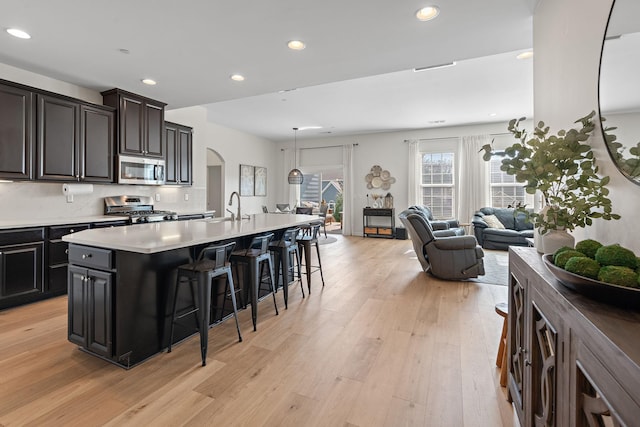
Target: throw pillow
{"x": 493, "y": 221}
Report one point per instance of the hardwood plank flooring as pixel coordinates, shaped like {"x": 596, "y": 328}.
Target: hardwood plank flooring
{"x": 382, "y": 344}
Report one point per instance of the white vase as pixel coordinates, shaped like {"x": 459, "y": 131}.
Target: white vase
{"x": 553, "y": 240}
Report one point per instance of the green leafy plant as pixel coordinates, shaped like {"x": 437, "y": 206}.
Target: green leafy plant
{"x": 563, "y": 168}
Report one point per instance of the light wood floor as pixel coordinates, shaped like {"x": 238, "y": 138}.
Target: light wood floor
{"x": 383, "y": 344}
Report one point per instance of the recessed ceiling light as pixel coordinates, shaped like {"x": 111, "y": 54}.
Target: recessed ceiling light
{"x": 296, "y": 45}
{"x": 525, "y": 55}
{"x": 436, "y": 122}
{"x": 493, "y": 114}
{"x": 149, "y": 82}
{"x": 427, "y": 13}
{"x": 18, "y": 33}
{"x": 309, "y": 127}
{"x": 237, "y": 77}
{"x": 124, "y": 51}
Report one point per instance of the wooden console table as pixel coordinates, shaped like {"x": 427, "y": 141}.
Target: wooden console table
{"x": 387, "y": 230}
{"x": 570, "y": 357}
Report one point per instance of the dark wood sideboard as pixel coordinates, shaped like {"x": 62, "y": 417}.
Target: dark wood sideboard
{"x": 573, "y": 361}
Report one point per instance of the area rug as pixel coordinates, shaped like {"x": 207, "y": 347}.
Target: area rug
{"x": 326, "y": 240}
{"x": 496, "y": 268}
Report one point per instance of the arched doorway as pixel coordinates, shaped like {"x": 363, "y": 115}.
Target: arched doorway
{"x": 215, "y": 182}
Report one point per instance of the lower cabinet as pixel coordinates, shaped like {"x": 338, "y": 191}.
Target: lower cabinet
{"x": 21, "y": 266}
{"x": 90, "y": 309}
{"x": 571, "y": 360}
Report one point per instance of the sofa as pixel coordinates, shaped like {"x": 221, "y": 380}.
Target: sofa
{"x": 499, "y": 228}
{"x": 441, "y": 228}
{"x": 450, "y": 257}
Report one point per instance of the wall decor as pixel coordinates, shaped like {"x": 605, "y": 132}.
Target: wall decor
{"x": 260, "y": 181}
{"x": 379, "y": 178}
{"x": 246, "y": 180}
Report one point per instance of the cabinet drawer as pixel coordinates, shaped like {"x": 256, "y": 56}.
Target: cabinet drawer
{"x": 23, "y": 235}
{"x": 90, "y": 257}
{"x": 107, "y": 224}
{"x": 371, "y": 230}
{"x": 385, "y": 231}
{"x": 57, "y": 252}
{"x": 58, "y": 231}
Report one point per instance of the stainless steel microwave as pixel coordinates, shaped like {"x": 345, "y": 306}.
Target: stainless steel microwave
{"x": 140, "y": 170}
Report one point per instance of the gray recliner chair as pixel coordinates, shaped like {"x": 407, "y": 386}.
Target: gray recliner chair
{"x": 449, "y": 258}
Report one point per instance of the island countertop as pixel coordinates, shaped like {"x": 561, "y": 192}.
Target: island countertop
{"x": 163, "y": 236}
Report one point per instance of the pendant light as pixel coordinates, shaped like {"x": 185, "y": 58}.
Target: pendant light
{"x": 295, "y": 176}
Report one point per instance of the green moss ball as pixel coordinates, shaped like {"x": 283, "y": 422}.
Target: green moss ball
{"x": 559, "y": 251}
{"x": 617, "y": 275}
{"x": 561, "y": 259}
{"x": 583, "y": 266}
{"x": 588, "y": 247}
{"x": 616, "y": 255}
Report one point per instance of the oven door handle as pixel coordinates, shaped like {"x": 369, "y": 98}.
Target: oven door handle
{"x": 158, "y": 173}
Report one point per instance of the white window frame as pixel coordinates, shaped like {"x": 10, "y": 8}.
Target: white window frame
{"x": 510, "y": 183}
{"x": 452, "y": 185}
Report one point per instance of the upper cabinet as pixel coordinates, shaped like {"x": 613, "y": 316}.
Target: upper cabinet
{"x": 17, "y": 129}
{"x": 75, "y": 141}
{"x": 140, "y": 123}
{"x": 178, "y": 149}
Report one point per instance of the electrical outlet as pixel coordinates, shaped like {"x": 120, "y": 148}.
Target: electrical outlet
{"x": 186, "y": 197}
{"x": 157, "y": 197}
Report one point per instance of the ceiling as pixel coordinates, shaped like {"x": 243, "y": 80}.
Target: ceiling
{"x": 355, "y": 76}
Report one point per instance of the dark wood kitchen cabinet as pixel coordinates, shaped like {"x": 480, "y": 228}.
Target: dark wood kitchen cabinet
{"x": 56, "y": 256}
{"x": 573, "y": 361}
{"x": 90, "y": 298}
{"x": 21, "y": 266}
{"x": 89, "y": 310}
{"x": 17, "y": 130}
{"x": 75, "y": 141}
{"x": 140, "y": 123}
{"x": 179, "y": 157}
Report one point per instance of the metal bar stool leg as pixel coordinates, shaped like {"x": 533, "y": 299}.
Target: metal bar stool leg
{"x": 204, "y": 302}
{"x": 233, "y": 302}
{"x": 319, "y": 263}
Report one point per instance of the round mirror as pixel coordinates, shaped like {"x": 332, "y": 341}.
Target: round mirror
{"x": 619, "y": 87}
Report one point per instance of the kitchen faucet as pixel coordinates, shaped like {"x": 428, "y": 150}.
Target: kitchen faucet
{"x": 239, "y": 215}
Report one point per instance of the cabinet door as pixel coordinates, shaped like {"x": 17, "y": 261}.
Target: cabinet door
{"x": 16, "y": 133}
{"x": 96, "y": 145}
{"x": 131, "y": 116}
{"x": 543, "y": 360}
{"x": 58, "y": 125}
{"x": 154, "y": 129}
{"x": 99, "y": 312}
{"x": 77, "y": 313}
{"x": 171, "y": 152}
{"x": 516, "y": 339}
{"x": 21, "y": 270}
{"x": 184, "y": 156}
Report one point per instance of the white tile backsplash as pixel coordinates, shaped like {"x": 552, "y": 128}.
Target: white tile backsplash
{"x": 35, "y": 200}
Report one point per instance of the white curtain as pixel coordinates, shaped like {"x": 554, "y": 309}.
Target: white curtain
{"x": 414, "y": 170}
{"x": 473, "y": 177}
{"x": 290, "y": 191}
{"x": 347, "y": 191}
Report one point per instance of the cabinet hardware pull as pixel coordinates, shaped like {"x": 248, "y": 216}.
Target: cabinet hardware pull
{"x": 85, "y": 256}
{"x": 66, "y": 251}
{"x": 72, "y": 231}
{"x": 527, "y": 362}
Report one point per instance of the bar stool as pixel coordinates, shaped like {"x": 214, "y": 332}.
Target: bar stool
{"x": 501, "y": 359}
{"x": 310, "y": 238}
{"x": 283, "y": 249}
{"x": 254, "y": 258}
{"x": 213, "y": 262}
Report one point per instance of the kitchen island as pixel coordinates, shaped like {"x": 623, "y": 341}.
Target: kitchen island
{"x": 121, "y": 280}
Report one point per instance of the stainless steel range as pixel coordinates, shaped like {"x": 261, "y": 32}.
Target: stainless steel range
{"x": 139, "y": 209}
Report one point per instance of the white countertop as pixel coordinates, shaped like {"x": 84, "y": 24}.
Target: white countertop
{"x": 23, "y": 223}
{"x": 167, "y": 235}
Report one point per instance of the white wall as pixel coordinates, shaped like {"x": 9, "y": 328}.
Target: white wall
{"x": 568, "y": 38}
{"x": 385, "y": 149}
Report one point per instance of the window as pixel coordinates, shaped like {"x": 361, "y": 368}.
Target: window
{"x": 438, "y": 186}
{"x": 505, "y": 190}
